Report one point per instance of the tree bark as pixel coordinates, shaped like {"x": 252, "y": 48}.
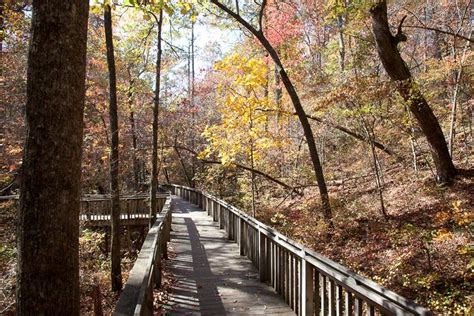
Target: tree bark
{"x": 156, "y": 113}
{"x": 48, "y": 230}
{"x": 116, "y": 273}
{"x": 290, "y": 88}
{"x": 2, "y": 28}
{"x": 185, "y": 172}
{"x": 399, "y": 72}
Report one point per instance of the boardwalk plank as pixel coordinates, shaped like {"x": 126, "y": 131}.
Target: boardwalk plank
{"x": 211, "y": 277}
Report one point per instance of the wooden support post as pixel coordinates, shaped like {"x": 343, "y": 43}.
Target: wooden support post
{"x": 221, "y": 216}
{"x": 215, "y": 213}
{"x": 348, "y": 304}
{"x": 230, "y": 235}
{"x": 306, "y": 286}
{"x": 268, "y": 259}
{"x": 262, "y": 264}
{"x": 241, "y": 236}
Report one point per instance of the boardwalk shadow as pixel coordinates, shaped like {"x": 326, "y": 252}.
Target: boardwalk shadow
{"x": 192, "y": 294}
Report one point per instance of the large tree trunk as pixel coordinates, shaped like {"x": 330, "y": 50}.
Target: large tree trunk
{"x": 291, "y": 90}
{"x": 399, "y": 72}
{"x": 156, "y": 113}
{"x": 48, "y": 230}
{"x": 116, "y": 273}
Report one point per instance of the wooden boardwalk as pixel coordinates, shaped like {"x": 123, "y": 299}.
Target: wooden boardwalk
{"x": 211, "y": 277}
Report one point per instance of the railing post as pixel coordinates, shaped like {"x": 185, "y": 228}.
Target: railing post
{"x": 208, "y": 206}
{"x": 215, "y": 218}
{"x": 306, "y": 286}
{"x": 262, "y": 257}
{"x": 164, "y": 241}
{"x": 230, "y": 235}
{"x": 221, "y": 216}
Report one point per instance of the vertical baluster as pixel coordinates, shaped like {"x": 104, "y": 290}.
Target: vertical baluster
{"x": 242, "y": 237}
{"x": 324, "y": 298}
{"x": 231, "y": 226}
{"x": 255, "y": 247}
{"x": 273, "y": 278}
{"x": 348, "y": 304}
{"x": 339, "y": 300}
{"x": 371, "y": 310}
{"x": 221, "y": 216}
{"x": 332, "y": 298}
{"x": 274, "y": 266}
{"x": 291, "y": 272}
{"x": 287, "y": 277}
{"x": 358, "y": 306}
{"x": 250, "y": 239}
{"x": 268, "y": 260}
{"x": 262, "y": 266}
{"x": 278, "y": 276}
{"x": 297, "y": 285}
{"x": 216, "y": 211}
{"x": 317, "y": 293}
{"x": 306, "y": 286}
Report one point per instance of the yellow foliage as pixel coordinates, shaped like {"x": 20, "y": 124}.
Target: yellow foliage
{"x": 243, "y": 128}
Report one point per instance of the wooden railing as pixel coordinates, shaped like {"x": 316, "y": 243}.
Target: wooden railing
{"x": 137, "y": 296}
{"x": 97, "y": 207}
{"x": 310, "y": 283}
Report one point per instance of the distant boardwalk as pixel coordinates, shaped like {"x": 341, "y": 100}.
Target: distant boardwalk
{"x": 212, "y": 278}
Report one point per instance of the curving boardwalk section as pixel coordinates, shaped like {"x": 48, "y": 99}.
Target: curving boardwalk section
{"x": 211, "y": 277}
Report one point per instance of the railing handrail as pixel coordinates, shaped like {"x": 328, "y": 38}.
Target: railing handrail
{"x": 97, "y": 197}
{"x": 370, "y": 291}
{"x": 137, "y": 296}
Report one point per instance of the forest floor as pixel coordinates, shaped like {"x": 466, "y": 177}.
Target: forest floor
{"x": 423, "y": 248}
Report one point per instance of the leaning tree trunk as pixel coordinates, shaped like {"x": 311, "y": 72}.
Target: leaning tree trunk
{"x": 156, "y": 112}
{"x": 48, "y": 230}
{"x": 116, "y": 273}
{"x": 300, "y": 112}
{"x": 387, "y": 47}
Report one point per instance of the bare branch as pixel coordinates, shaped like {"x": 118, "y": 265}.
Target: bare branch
{"x": 342, "y": 129}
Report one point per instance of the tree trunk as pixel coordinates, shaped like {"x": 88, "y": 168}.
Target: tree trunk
{"x": 290, "y": 88}
{"x": 116, "y": 273}
{"x": 156, "y": 113}
{"x": 399, "y": 72}
{"x": 48, "y": 230}
{"x": 133, "y": 130}
{"x": 193, "y": 115}
{"x": 186, "y": 175}
{"x": 342, "y": 47}
{"x": 2, "y": 31}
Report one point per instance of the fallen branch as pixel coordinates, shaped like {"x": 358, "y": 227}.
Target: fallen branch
{"x": 217, "y": 162}
{"x": 343, "y": 129}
